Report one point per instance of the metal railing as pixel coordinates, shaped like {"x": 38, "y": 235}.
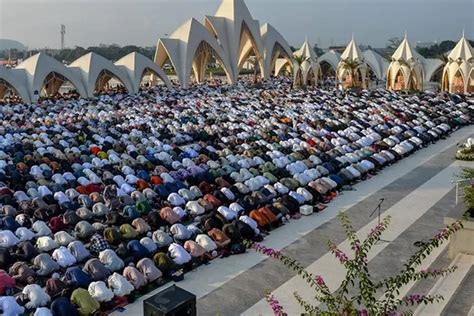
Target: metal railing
{"x": 461, "y": 184}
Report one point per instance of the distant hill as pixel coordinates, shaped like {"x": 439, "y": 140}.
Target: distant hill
{"x": 11, "y": 44}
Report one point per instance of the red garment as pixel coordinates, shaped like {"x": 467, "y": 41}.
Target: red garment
{"x": 95, "y": 150}
{"x": 56, "y": 224}
{"x": 141, "y": 185}
{"x": 91, "y": 188}
{"x": 156, "y": 180}
{"x": 6, "y": 282}
{"x": 82, "y": 190}
{"x": 205, "y": 187}
{"x": 5, "y": 191}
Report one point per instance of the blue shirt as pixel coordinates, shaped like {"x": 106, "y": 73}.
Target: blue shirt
{"x": 78, "y": 277}
{"x": 137, "y": 250}
{"x": 63, "y": 306}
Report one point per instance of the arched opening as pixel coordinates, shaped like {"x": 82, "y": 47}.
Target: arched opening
{"x": 278, "y": 52}
{"x": 399, "y": 82}
{"x": 458, "y": 83}
{"x": 327, "y": 70}
{"x": 437, "y": 76}
{"x": 56, "y": 85}
{"x": 8, "y": 93}
{"x": 163, "y": 60}
{"x": 208, "y": 64}
{"x": 311, "y": 79}
{"x": 106, "y": 81}
{"x": 470, "y": 86}
{"x": 250, "y": 59}
{"x": 284, "y": 69}
{"x": 327, "y": 74}
{"x": 150, "y": 78}
{"x": 287, "y": 70}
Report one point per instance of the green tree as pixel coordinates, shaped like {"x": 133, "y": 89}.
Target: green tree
{"x": 299, "y": 60}
{"x": 435, "y": 50}
{"x": 351, "y": 67}
{"x": 446, "y": 46}
{"x": 392, "y": 44}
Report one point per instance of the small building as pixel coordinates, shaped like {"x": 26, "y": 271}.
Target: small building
{"x": 352, "y": 69}
{"x": 310, "y": 69}
{"x": 458, "y": 73}
{"x": 405, "y": 71}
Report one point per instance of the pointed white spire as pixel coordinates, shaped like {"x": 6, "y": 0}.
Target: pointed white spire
{"x": 462, "y": 51}
{"x": 352, "y": 51}
{"x": 232, "y": 8}
{"x": 306, "y": 50}
{"x": 404, "y": 51}
{"x": 463, "y": 35}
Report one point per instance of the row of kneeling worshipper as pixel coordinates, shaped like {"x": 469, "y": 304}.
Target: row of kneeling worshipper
{"x": 103, "y": 200}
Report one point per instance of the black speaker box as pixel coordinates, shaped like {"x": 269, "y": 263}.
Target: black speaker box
{"x": 172, "y": 301}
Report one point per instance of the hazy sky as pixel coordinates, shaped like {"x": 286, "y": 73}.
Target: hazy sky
{"x": 36, "y": 23}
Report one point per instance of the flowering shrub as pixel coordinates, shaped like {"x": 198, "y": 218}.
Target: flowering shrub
{"x": 367, "y": 299}
{"x": 275, "y": 305}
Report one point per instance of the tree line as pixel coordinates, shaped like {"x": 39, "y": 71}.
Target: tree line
{"x": 437, "y": 50}
{"x": 112, "y": 52}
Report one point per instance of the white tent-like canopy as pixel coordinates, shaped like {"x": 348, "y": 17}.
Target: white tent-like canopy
{"x": 137, "y": 66}
{"x": 376, "y": 63}
{"x": 310, "y": 70}
{"x": 42, "y": 75}
{"x": 458, "y": 73}
{"x": 405, "y": 71}
{"x": 275, "y": 46}
{"x": 14, "y": 79}
{"x": 330, "y": 57}
{"x": 189, "y": 49}
{"x": 238, "y": 33}
{"x": 96, "y": 71}
{"x": 45, "y": 76}
{"x": 352, "y": 68}
{"x": 231, "y": 36}
{"x": 282, "y": 64}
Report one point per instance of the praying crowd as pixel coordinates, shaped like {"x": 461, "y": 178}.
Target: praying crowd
{"x": 104, "y": 200}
